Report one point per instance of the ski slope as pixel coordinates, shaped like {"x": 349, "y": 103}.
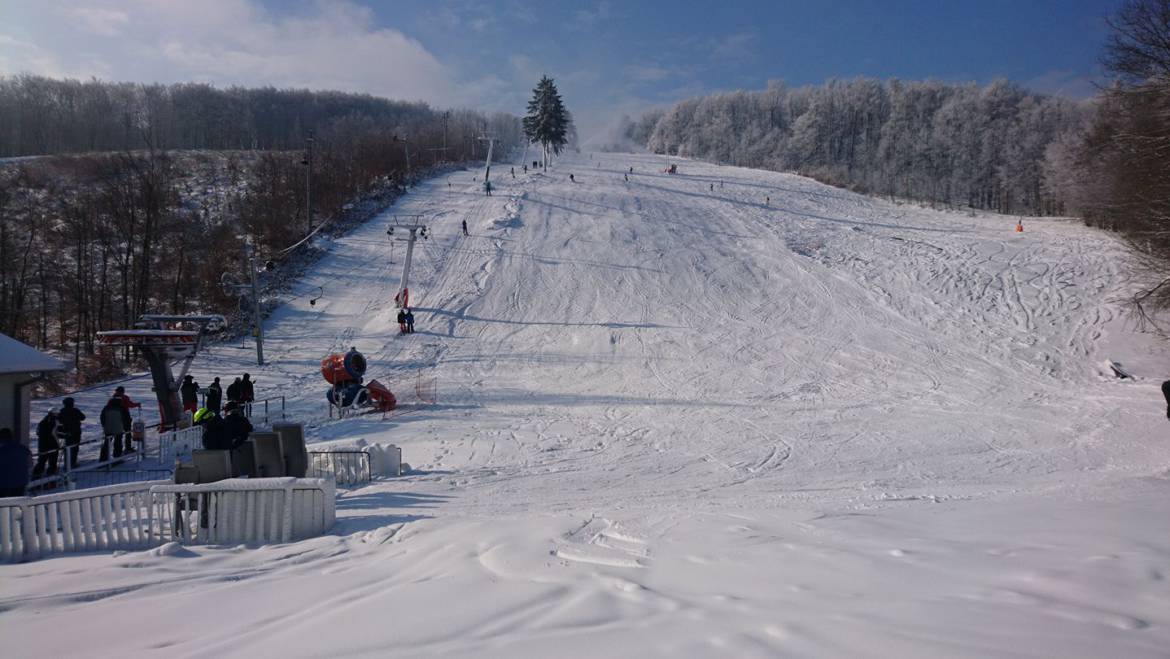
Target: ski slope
{"x": 675, "y": 420}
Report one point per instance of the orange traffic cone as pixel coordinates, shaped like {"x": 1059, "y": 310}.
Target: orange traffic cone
{"x": 1019, "y": 226}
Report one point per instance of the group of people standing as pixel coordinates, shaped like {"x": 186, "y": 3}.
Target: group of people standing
{"x": 231, "y": 429}
{"x": 241, "y": 391}
{"x": 59, "y": 431}
{"x": 406, "y": 320}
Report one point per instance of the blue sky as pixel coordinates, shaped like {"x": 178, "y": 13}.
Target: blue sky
{"x": 608, "y": 57}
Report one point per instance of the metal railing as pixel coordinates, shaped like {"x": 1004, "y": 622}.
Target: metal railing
{"x": 343, "y": 467}
{"x": 175, "y": 444}
{"x": 264, "y": 412}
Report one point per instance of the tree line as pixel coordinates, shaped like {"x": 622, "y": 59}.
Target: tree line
{"x": 90, "y": 242}
{"x": 43, "y": 116}
{"x": 1116, "y": 171}
{"x": 955, "y": 145}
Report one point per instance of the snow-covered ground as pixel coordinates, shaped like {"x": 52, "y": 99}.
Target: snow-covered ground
{"x": 674, "y": 420}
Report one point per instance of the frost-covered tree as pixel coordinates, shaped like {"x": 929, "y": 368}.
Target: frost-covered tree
{"x": 547, "y": 122}
{"x": 963, "y": 145}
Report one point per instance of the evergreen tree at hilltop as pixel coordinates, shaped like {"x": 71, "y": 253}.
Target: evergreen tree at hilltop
{"x": 547, "y": 121}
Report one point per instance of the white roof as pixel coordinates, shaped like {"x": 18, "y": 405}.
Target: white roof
{"x": 16, "y": 357}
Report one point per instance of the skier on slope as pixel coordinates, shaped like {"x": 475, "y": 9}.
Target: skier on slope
{"x": 409, "y": 321}
{"x": 465, "y": 228}
{"x": 513, "y": 172}
{"x": 1166, "y": 395}
{"x": 402, "y": 321}
{"x": 487, "y": 188}
{"x": 571, "y": 179}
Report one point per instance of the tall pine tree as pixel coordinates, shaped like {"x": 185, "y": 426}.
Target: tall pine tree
{"x": 547, "y": 121}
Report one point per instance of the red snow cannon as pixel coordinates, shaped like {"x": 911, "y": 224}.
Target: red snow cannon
{"x": 381, "y": 397}
{"x": 338, "y": 368}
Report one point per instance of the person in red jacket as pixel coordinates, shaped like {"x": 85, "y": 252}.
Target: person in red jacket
{"x": 127, "y": 421}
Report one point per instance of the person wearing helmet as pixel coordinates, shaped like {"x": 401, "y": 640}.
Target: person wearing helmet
{"x": 200, "y": 414}
{"x": 214, "y": 430}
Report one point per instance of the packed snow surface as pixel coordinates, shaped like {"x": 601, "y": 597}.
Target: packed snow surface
{"x": 676, "y": 420}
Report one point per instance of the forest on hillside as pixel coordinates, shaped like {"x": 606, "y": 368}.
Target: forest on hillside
{"x": 151, "y": 215}
{"x": 956, "y": 145}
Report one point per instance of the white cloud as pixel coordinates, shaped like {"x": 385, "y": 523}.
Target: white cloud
{"x": 331, "y": 44}
{"x": 647, "y": 72}
{"x": 106, "y": 22}
{"x": 733, "y": 46}
{"x": 598, "y": 13}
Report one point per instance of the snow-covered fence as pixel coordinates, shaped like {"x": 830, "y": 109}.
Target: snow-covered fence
{"x": 175, "y": 444}
{"x": 254, "y": 510}
{"x": 89, "y": 478}
{"x": 350, "y": 467}
{"x": 113, "y": 517}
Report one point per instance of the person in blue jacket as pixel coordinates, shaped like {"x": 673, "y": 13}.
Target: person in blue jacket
{"x": 15, "y": 464}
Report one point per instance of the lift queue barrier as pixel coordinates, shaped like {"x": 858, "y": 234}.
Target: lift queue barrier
{"x": 148, "y": 514}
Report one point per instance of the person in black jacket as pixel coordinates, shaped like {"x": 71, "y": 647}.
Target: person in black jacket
{"x": 112, "y": 428}
{"x": 127, "y": 421}
{"x": 70, "y": 419}
{"x": 247, "y": 392}
{"x": 189, "y": 390}
{"x": 15, "y": 461}
{"x": 215, "y": 436}
{"x": 401, "y": 321}
{"x": 233, "y": 392}
{"x": 409, "y": 321}
{"x": 47, "y": 446}
{"x": 236, "y": 425}
{"x": 214, "y": 396}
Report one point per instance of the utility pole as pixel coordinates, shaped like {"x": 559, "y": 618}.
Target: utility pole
{"x": 258, "y": 328}
{"x": 309, "y": 180}
{"x": 402, "y": 298}
{"x": 487, "y": 171}
{"x": 406, "y": 149}
{"x": 434, "y": 154}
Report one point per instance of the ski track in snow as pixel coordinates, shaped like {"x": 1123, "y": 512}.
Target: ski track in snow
{"x": 677, "y": 422}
